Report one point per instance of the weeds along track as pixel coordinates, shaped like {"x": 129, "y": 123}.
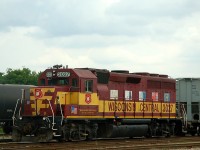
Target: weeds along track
{"x": 5, "y": 138}
{"x": 111, "y": 144}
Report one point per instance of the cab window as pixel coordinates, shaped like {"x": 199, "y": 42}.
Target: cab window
{"x": 42, "y": 81}
{"x": 63, "y": 81}
{"x": 88, "y": 85}
{"x": 74, "y": 82}
{"x": 51, "y": 82}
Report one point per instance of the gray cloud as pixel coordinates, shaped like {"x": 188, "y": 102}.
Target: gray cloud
{"x": 156, "y": 8}
{"x": 69, "y": 17}
{"x": 153, "y": 36}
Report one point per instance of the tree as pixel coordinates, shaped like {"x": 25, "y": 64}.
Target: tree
{"x": 19, "y": 76}
{"x": 1, "y": 77}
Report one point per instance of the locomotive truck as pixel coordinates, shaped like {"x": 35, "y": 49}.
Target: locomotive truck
{"x": 86, "y": 104}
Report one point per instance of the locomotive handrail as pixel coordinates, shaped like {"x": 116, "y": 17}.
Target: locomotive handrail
{"x": 22, "y": 98}
{"x": 15, "y": 111}
{"x": 52, "y": 114}
{"x": 20, "y": 108}
{"x": 61, "y": 112}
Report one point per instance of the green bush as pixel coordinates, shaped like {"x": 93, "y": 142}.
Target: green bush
{"x": 1, "y": 130}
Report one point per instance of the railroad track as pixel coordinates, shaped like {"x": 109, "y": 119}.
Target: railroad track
{"x": 125, "y": 144}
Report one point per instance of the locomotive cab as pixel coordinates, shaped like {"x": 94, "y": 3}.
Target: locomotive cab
{"x": 64, "y": 87}
{"x": 62, "y": 93}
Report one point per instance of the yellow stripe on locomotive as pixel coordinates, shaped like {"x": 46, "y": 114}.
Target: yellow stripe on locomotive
{"x": 89, "y": 105}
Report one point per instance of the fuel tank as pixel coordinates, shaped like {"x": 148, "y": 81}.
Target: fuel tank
{"x": 113, "y": 131}
{"x": 135, "y": 121}
{"x": 9, "y": 93}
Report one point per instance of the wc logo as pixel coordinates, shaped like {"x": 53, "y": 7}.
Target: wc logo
{"x": 38, "y": 93}
{"x": 88, "y": 98}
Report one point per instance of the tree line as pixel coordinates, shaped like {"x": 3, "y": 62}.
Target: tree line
{"x": 19, "y": 76}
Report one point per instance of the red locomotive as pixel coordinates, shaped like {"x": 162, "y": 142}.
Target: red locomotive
{"x": 85, "y": 103}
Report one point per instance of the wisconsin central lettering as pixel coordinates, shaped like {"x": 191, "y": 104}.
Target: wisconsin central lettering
{"x": 149, "y": 107}
{"x": 119, "y": 106}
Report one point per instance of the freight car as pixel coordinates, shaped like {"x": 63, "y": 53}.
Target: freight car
{"x": 86, "y": 103}
{"x": 9, "y": 93}
{"x": 187, "y": 95}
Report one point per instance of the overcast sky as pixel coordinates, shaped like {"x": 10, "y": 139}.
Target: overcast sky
{"x": 156, "y": 36}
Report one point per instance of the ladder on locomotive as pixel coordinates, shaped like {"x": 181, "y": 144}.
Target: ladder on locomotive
{"x": 54, "y": 128}
{"x": 184, "y": 114}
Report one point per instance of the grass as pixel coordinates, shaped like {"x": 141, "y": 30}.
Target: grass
{"x": 1, "y": 130}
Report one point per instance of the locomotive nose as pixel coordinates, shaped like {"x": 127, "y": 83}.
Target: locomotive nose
{"x": 42, "y": 93}
{"x": 46, "y": 100}
{"x": 41, "y": 100}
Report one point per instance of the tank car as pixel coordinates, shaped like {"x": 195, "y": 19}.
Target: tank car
{"x": 85, "y": 104}
{"x": 9, "y": 93}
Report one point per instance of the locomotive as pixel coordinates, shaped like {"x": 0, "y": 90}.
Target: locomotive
{"x": 8, "y": 102}
{"x": 87, "y": 103}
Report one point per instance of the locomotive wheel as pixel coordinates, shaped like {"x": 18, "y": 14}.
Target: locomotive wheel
{"x": 149, "y": 135}
{"x": 168, "y": 134}
{"x": 92, "y": 132}
{"x": 77, "y": 135}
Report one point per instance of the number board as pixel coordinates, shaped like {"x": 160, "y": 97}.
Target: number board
{"x": 49, "y": 74}
{"x": 63, "y": 74}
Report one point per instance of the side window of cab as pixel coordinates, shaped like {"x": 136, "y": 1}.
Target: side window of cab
{"x": 42, "y": 82}
{"x": 74, "y": 82}
{"x": 88, "y": 85}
